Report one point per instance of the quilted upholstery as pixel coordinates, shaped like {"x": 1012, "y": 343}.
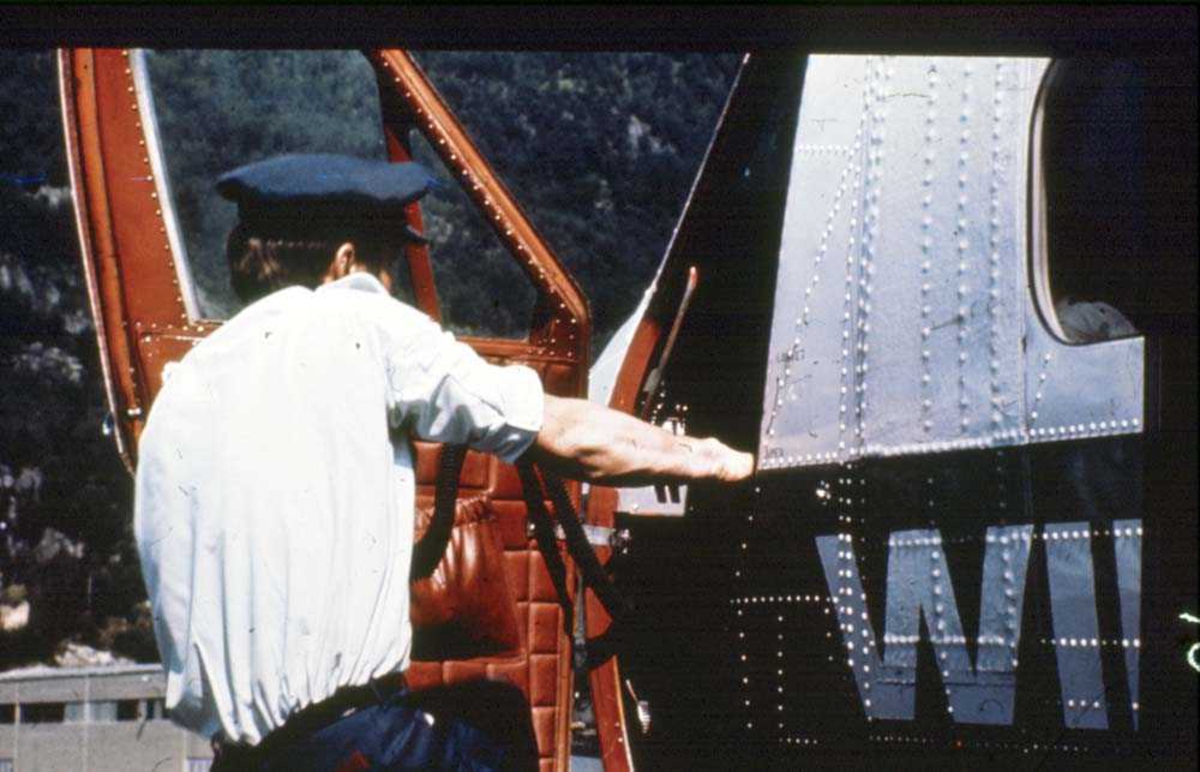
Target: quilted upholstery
{"x": 544, "y": 661}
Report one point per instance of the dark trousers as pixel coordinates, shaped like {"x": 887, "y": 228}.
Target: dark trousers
{"x": 481, "y": 725}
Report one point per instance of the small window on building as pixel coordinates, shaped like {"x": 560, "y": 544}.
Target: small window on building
{"x": 156, "y": 709}
{"x": 6, "y": 765}
{"x": 103, "y": 711}
{"x": 43, "y": 713}
{"x": 128, "y": 710}
{"x": 8, "y": 715}
{"x": 75, "y": 712}
{"x": 91, "y": 712}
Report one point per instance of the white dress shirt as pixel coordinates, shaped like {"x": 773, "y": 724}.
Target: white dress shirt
{"x": 274, "y": 512}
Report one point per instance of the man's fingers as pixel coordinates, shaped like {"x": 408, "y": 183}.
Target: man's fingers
{"x": 728, "y": 465}
{"x": 738, "y": 466}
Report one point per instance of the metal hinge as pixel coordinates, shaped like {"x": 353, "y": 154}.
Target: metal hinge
{"x": 666, "y": 500}
{"x": 597, "y": 535}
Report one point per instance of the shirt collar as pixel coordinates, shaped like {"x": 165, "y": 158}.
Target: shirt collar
{"x": 359, "y": 280}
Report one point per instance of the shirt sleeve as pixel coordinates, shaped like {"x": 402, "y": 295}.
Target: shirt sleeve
{"x": 440, "y": 390}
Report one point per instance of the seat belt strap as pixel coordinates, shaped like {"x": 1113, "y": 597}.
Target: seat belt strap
{"x": 428, "y": 552}
{"x": 594, "y": 575}
{"x": 543, "y": 532}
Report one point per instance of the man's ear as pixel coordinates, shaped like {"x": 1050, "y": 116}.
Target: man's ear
{"x": 343, "y": 261}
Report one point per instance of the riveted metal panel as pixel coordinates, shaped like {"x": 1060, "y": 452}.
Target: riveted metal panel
{"x": 904, "y": 321}
{"x": 1127, "y": 546}
{"x": 1076, "y": 629}
{"x": 919, "y": 585}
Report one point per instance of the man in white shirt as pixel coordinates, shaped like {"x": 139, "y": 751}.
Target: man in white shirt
{"x": 275, "y": 485}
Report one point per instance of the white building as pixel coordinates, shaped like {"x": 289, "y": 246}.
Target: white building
{"x": 95, "y": 719}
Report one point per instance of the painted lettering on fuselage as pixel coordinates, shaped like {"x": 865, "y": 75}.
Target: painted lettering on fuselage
{"x": 919, "y": 587}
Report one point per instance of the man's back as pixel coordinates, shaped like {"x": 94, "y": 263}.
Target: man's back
{"x": 274, "y": 513}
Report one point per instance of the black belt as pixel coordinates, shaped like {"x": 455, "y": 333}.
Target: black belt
{"x": 306, "y": 722}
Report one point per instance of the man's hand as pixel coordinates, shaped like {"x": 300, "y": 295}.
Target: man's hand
{"x": 585, "y": 441}
{"x": 728, "y": 465}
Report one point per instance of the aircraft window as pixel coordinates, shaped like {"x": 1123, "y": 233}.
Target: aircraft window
{"x": 216, "y": 110}
{"x": 1092, "y": 250}
{"x": 481, "y": 289}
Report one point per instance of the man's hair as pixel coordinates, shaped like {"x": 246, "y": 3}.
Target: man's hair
{"x": 265, "y": 256}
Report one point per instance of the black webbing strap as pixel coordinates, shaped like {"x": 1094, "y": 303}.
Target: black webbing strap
{"x": 543, "y": 532}
{"x": 428, "y": 552}
{"x": 594, "y": 575}
{"x": 603, "y": 647}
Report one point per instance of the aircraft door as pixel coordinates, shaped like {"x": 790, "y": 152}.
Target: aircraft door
{"x": 152, "y": 228}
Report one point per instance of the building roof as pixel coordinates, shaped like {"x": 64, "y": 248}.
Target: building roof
{"x": 36, "y": 672}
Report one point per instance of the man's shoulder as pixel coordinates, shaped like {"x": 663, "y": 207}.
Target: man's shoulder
{"x": 320, "y": 317}
{"x": 256, "y": 321}
{"x": 367, "y": 297}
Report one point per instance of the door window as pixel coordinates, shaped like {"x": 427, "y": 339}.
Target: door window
{"x": 481, "y": 290}
{"x": 217, "y": 110}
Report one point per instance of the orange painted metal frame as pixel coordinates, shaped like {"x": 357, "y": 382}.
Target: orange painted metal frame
{"x": 650, "y": 335}
{"x": 134, "y": 288}
{"x": 132, "y": 283}
{"x": 561, "y": 324}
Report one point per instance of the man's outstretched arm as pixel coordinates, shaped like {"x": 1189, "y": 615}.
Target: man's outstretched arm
{"x": 585, "y": 441}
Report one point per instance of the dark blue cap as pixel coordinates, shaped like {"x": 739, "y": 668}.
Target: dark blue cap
{"x": 305, "y": 185}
